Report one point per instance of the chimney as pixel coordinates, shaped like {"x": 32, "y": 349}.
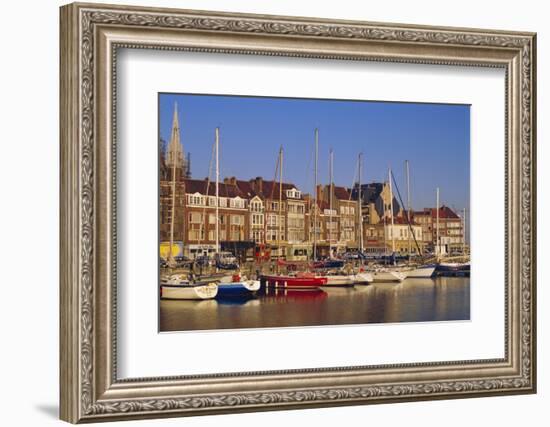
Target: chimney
{"x": 320, "y": 192}
{"x": 258, "y": 184}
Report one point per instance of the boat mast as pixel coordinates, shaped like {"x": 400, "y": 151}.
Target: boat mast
{"x": 315, "y": 196}
{"x": 331, "y": 189}
{"x": 208, "y": 180}
{"x": 359, "y": 203}
{"x": 391, "y": 214}
{"x": 408, "y": 206}
{"x": 280, "y": 234}
{"x": 437, "y": 250}
{"x": 217, "y": 189}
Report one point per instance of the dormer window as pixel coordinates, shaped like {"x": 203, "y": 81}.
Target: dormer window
{"x": 293, "y": 194}
{"x": 237, "y": 203}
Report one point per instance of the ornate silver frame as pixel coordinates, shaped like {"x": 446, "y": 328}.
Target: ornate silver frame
{"x": 90, "y": 36}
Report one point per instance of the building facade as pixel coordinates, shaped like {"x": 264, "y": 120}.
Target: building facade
{"x": 259, "y": 213}
{"x": 451, "y": 230}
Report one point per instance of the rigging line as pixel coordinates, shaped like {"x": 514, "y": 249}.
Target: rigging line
{"x": 408, "y": 222}
{"x": 308, "y": 167}
{"x": 277, "y": 165}
{"x": 207, "y": 201}
{"x": 354, "y": 179}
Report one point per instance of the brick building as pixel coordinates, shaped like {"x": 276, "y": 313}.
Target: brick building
{"x": 451, "y": 230}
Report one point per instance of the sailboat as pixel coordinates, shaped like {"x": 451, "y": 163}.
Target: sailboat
{"x": 363, "y": 276}
{"x": 296, "y": 281}
{"x": 178, "y": 287}
{"x": 424, "y": 271}
{"x": 450, "y": 268}
{"x": 234, "y": 285}
{"x": 338, "y": 278}
{"x": 389, "y": 274}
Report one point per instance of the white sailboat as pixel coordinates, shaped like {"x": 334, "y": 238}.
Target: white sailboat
{"x": 339, "y": 280}
{"x": 364, "y": 278}
{"x": 179, "y": 288}
{"x": 420, "y": 272}
{"x": 415, "y": 271}
{"x": 383, "y": 274}
{"x": 389, "y": 274}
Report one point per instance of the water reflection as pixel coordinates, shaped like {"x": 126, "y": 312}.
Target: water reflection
{"x": 416, "y": 300}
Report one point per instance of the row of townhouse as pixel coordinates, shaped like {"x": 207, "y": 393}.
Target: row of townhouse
{"x": 257, "y": 212}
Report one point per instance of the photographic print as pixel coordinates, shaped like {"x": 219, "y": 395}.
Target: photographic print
{"x": 318, "y": 197}
{"x": 287, "y": 212}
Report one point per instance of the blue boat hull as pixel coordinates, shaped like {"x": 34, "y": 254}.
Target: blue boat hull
{"x": 232, "y": 289}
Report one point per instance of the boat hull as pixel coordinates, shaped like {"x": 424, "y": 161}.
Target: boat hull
{"x": 422, "y": 272}
{"x": 388, "y": 276}
{"x": 189, "y": 292}
{"x": 339, "y": 281}
{"x": 242, "y": 288}
{"x": 363, "y": 278}
{"x": 290, "y": 282}
{"x": 453, "y": 269}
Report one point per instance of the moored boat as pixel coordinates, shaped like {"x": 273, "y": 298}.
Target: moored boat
{"x": 363, "y": 278}
{"x": 387, "y": 275}
{"x": 421, "y": 272}
{"x": 179, "y": 289}
{"x": 304, "y": 282}
{"x": 453, "y": 269}
{"x": 237, "y": 286}
{"x": 339, "y": 280}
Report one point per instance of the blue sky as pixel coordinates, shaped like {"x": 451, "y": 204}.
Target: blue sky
{"x": 434, "y": 138}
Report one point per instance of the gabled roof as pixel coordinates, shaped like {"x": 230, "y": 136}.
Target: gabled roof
{"x": 445, "y": 212}
{"x": 341, "y": 193}
{"x": 206, "y": 187}
{"x": 266, "y": 189}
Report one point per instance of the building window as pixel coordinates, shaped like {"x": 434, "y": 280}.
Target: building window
{"x": 196, "y": 234}
{"x": 256, "y": 206}
{"x": 257, "y": 219}
{"x": 196, "y": 200}
{"x": 293, "y": 194}
{"x": 237, "y": 220}
{"x": 257, "y": 236}
{"x": 195, "y": 218}
{"x": 272, "y": 220}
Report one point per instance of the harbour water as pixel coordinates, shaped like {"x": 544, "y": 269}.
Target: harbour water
{"x": 413, "y": 300}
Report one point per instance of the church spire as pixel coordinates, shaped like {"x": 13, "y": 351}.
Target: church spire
{"x": 174, "y": 156}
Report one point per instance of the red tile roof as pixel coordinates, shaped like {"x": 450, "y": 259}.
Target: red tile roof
{"x": 341, "y": 193}
{"x": 444, "y": 213}
{"x": 265, "y": 189}
{"x": 204, "y": 187}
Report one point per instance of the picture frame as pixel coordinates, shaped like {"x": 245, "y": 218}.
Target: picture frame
{"x": 91, "y": 34}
